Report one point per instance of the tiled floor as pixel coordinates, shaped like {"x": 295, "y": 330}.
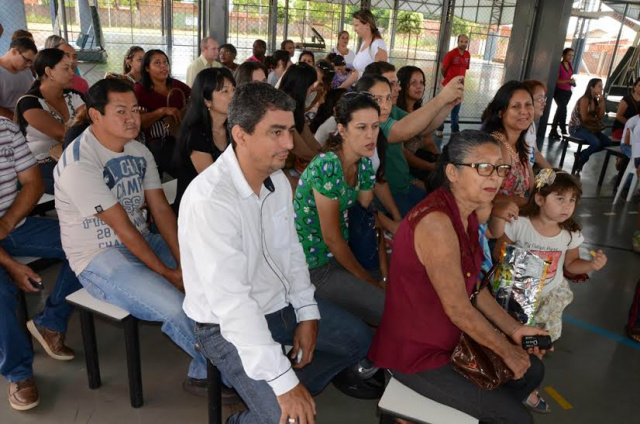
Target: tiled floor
{"x": 595, "y": 369}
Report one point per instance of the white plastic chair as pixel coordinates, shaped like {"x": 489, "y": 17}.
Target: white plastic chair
{"x": 631, "y": 169}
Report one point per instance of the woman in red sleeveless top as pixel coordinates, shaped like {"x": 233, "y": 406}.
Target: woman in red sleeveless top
{"x": 434, "y": 269}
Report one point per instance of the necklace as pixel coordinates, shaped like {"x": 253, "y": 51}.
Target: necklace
{"x": 514, "y": 155}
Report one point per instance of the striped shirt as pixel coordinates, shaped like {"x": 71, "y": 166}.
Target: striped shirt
{"x": 15, "y": 157}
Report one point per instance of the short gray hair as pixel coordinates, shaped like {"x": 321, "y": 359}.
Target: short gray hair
{"x": 251, "y": 102}
{"x": 205, "y": 41}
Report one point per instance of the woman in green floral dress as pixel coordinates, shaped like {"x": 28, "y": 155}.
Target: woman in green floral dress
{"x": 332, "y": 183}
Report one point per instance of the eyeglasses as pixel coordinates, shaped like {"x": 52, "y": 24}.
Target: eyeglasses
{"x": 487, "y": 169}
{"x": 326, "y": 68}
{"x": 541, "y": 100}
{"x": 28, "y": 62}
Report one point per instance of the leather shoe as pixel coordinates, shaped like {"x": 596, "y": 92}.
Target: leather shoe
{"x": 23, "y": 394}
{"x": 51, "y": 341}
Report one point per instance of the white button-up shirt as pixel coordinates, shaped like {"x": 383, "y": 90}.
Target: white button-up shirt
{"x": 241, "y": 260}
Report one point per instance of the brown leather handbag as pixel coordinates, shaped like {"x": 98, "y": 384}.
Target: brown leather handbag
{"x": 479, "y": 364}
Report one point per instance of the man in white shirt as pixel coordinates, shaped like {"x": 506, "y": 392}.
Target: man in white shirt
{"x": 209, "y": 49}
{"x": 102, "y": 182}
{"x": 246, "y": 278}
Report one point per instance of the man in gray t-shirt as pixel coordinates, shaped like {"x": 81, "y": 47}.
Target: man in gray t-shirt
{"x": 102, "y": 181}
{"x": 15, "y": 75}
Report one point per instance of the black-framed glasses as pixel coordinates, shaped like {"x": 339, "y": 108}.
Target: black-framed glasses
{"x": 487, "y": 169}
{"x": 326, "y": 68}
{"x": 28, "y": 62}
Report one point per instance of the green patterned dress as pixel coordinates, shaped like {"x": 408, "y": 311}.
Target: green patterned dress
{"x": 325, "y": 174}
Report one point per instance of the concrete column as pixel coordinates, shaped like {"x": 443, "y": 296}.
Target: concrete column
{"x": 536, "y": 43}
{"x": 218, "y": 25}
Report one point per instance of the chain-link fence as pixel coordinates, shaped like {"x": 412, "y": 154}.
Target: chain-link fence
{"x": 411, "y": 29}
{"x": 113, "y": 26}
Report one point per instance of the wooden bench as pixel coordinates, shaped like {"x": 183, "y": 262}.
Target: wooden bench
{"x": 566, "y": 139}
{"x": 615, "y": 151}
{"x": 399, "y": 401}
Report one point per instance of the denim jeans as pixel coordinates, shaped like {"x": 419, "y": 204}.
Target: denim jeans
{"x": 406, "y": 201}
{"x": 455, "y": 119}
{"x": 35, "y": 237}
{"x": 344, "y": 289}
{"x": 500, "y": 406}
{"x": 597, "y": 142}
{"x": 342, "y": 341}
{"x": 117, "y": 276}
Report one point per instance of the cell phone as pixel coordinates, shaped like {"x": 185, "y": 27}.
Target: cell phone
{"x": 36, "y": 284}
{"x": 541, "y": 342}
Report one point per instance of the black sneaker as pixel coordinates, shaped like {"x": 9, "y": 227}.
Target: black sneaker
{"x": 351, "y": 384}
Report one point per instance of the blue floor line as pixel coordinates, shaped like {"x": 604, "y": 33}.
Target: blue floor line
{"x": 602, "y": 332}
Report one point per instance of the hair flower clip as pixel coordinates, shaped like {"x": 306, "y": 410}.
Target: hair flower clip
{"x": 545, "y": 177}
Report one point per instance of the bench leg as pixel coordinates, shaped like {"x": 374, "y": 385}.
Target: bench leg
{"x": 214, "y": 394}
{"x": 132, "y": 344}
{"x": 90, "y": 348}
{"x": 605, "y": 164}
{"x": 564, "y": 146}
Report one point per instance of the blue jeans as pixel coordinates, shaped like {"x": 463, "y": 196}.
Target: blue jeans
{"x": 406, "y": 201}
{"x": 455, "y": 119}
{"x": 342, "y": 341}
{"x": 36, "y": 237}
{"x": 117, "y": 276}
{"x": 597, "y": 142}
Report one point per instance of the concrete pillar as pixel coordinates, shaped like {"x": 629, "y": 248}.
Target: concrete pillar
{"x": 218, "y": 23}
{"x": 536, "y": 43}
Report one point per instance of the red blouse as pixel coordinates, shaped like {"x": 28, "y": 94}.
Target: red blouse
{"x": 151, "y": 100}
{"x": 415, "y": 333}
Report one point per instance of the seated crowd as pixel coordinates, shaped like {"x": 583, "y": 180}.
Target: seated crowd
{"x": 293, "y": 181}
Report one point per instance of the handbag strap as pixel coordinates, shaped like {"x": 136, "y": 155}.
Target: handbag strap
{"x": 184, "y": 97}
{"x": 481, "y": 284}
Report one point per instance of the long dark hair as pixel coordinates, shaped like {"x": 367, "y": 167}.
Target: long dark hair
{"x": 563, "y": 183}
{"x": 345, "y": 109}
{"x": 145, "y": 80}
{"x": 277, "y": 57}
{"x": 295, "y": 82}
{"x": 46, "y": 58}
{"x": 130, "y": 53}
{"x": 592, "y": 83}
{"x": 404, "y": 78}
{"x": 244, "y": 72}
{"x": 492, "y": 115}
{"x": 326, "y": 109}
{"x": 457, "y": 151}
{"x": 197, "y": 121}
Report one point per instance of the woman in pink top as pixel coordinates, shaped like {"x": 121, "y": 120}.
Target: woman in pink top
{"x": 562, "y": 94}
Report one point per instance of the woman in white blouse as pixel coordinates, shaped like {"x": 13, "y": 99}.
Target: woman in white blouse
{"x": 373, "y": 48}
{"x": 343, "y": 50}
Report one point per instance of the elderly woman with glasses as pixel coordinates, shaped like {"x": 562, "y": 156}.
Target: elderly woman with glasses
{"x": 434, "y": 269}
{"x": 539, "y": 92}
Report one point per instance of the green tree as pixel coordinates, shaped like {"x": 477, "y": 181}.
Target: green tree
{"x": 409, "y": 23}
{"x": 461, "y": 26}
